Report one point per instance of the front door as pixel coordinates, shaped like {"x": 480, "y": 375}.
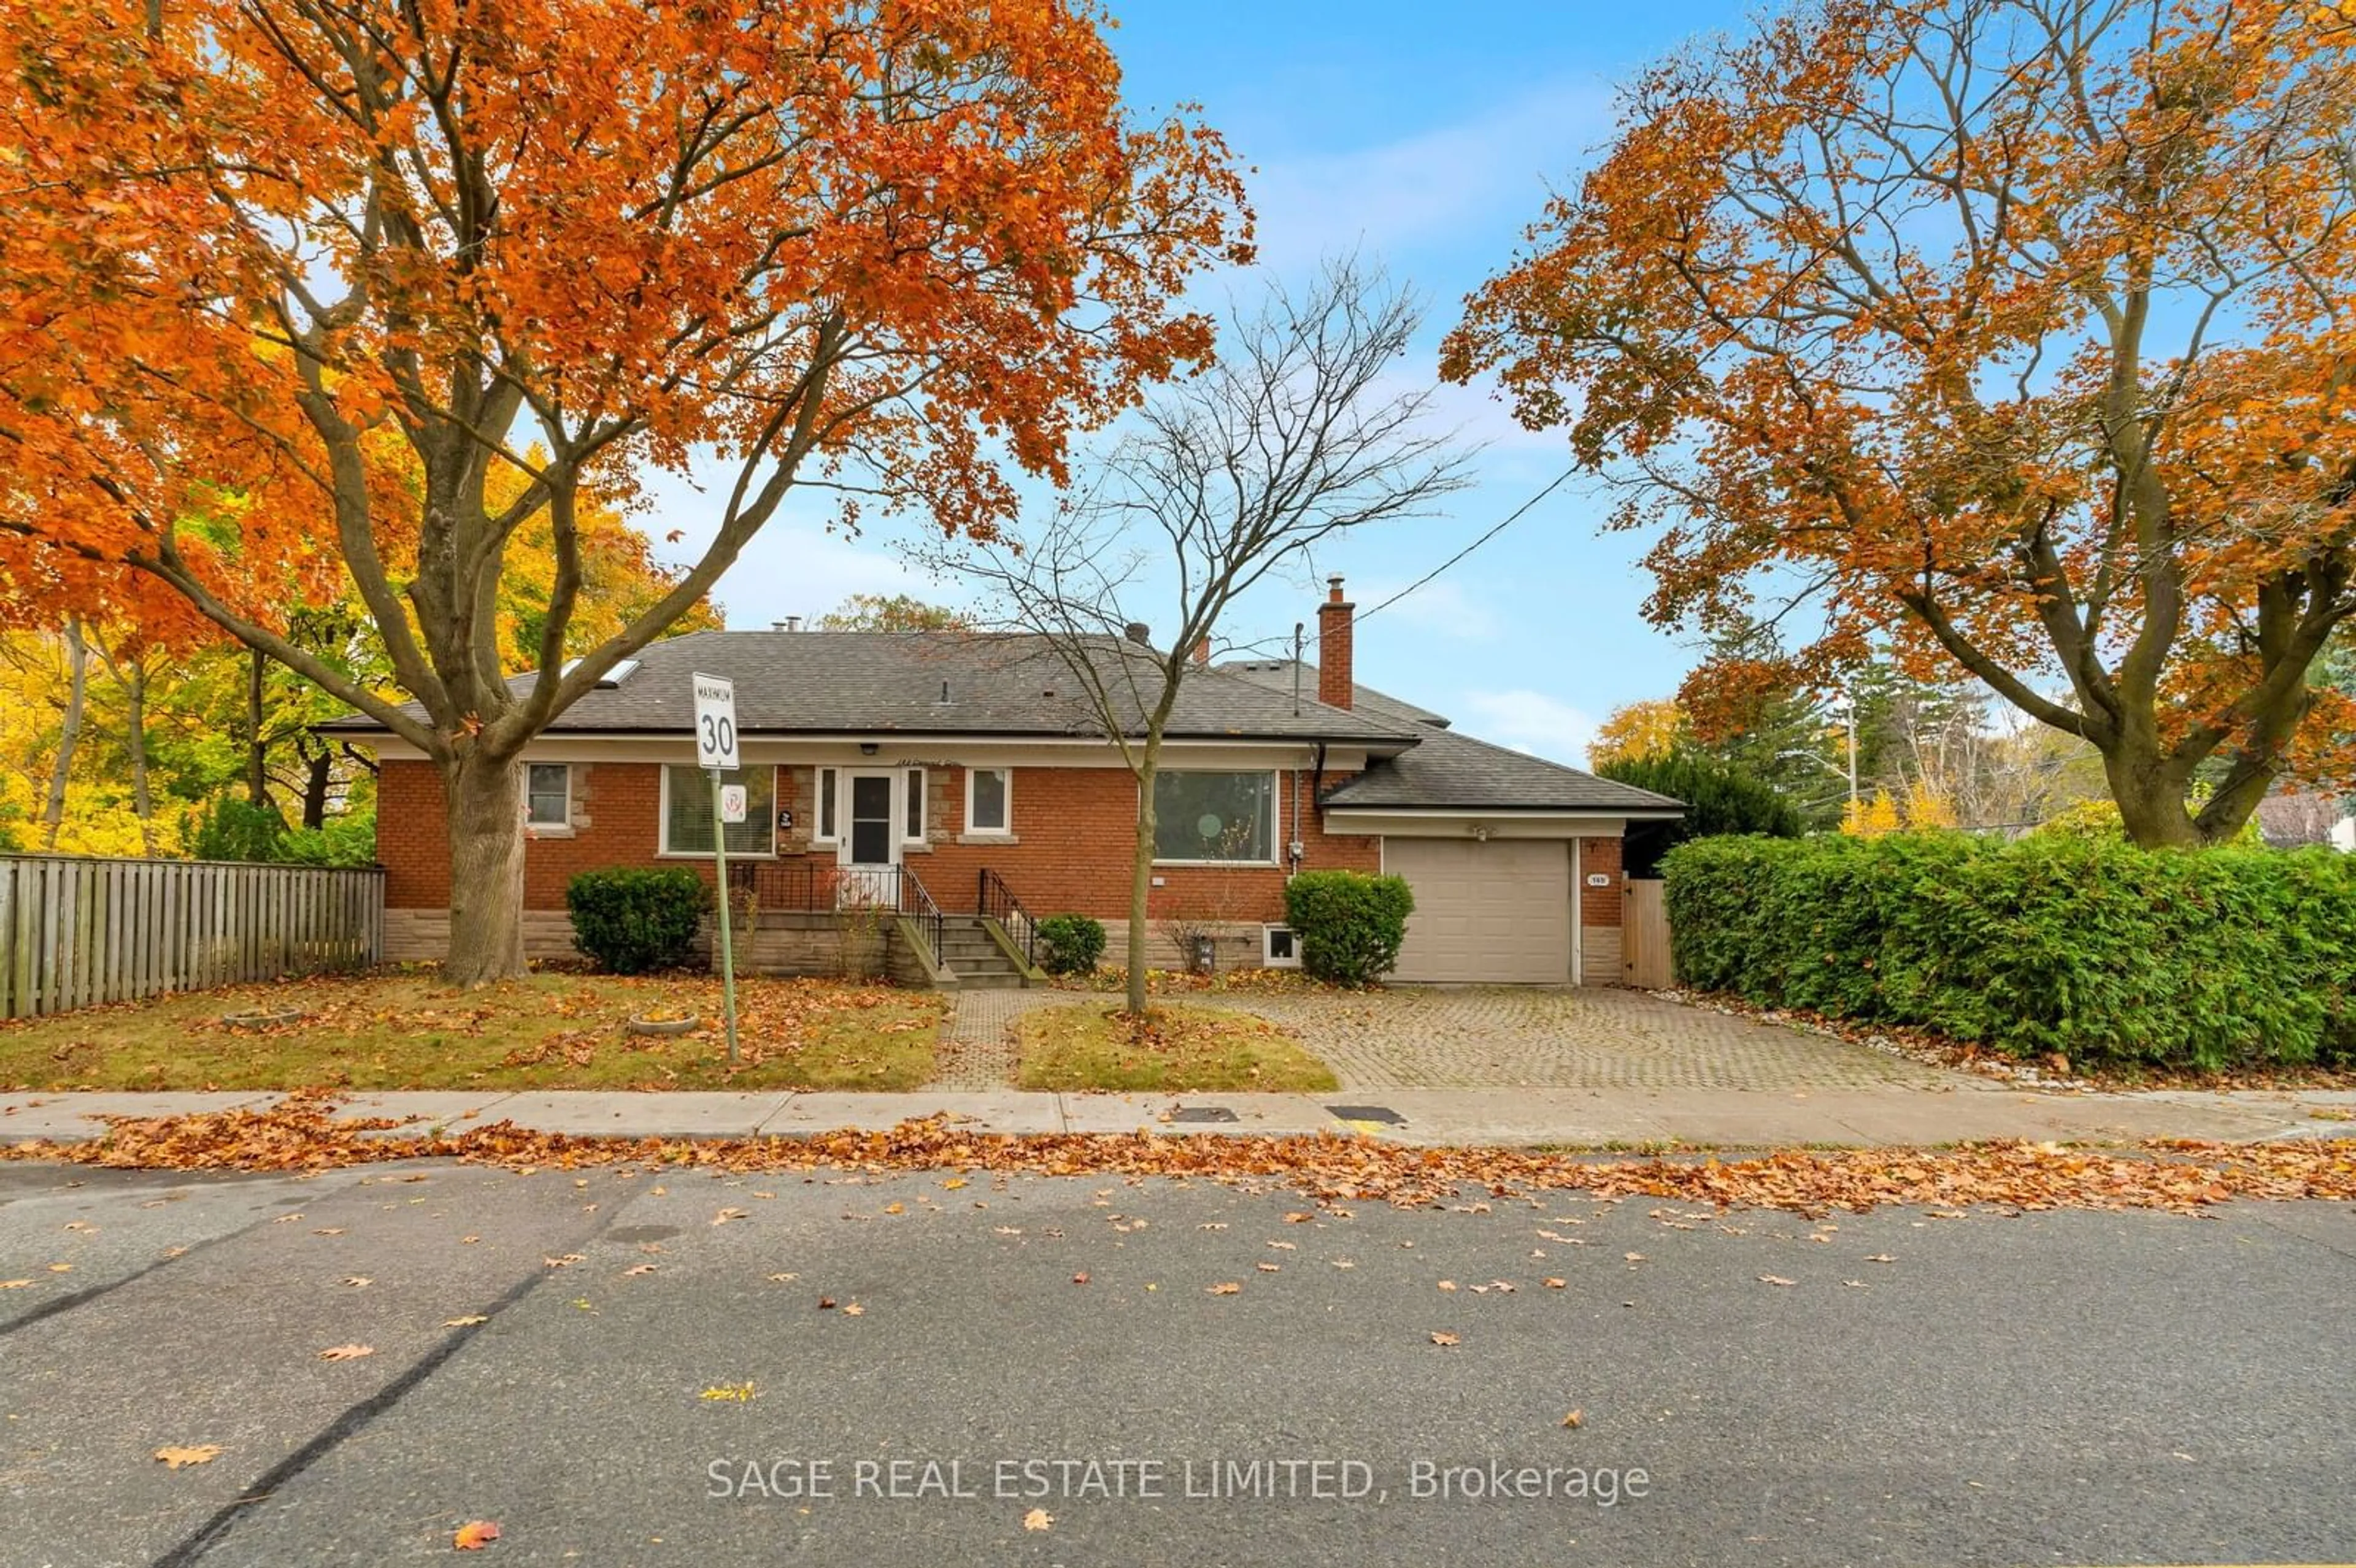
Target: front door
{"x": 870, "y": 847}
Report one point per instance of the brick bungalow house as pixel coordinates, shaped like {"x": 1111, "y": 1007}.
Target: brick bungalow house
{"x": 958, "y": 775}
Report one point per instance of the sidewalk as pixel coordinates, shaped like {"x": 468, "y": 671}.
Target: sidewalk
{"x": 1579, "y": 1118}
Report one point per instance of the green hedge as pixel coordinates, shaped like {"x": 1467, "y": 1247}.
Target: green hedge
{"x": 632, "y": 920}
{"x": 1070, "y": 944}
{"x": 2100, "y": 951}
{"x": 1350, "y": 924}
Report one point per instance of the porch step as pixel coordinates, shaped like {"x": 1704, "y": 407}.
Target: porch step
{"x": 968, "y": 948}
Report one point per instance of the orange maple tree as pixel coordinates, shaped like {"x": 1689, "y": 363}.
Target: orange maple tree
{"x": 286, "y": 284}
{"x": 2018, "y": 332}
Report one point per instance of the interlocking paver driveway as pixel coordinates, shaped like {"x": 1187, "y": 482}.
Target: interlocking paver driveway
{"x": 1511, "y": 1038}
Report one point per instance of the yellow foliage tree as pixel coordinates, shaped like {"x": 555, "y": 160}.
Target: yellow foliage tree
{"x": 1637, "y": 731}
{"x": 1871, "y": 818}
{"x": 1927, "y": 809}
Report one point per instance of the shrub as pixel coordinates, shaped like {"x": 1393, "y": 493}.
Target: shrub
{"x": 347, "y": 840}
{"x": 1720, "y": 798}
{"x": 2093, "y": 948}
{"x": 232, "y": 828}
{"x": 1070, "y": 944}
{"x": 630, "y": 920}
{"x": 1350, "y": 924}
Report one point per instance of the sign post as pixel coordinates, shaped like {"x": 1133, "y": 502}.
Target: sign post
{"x": 715, "y": 752}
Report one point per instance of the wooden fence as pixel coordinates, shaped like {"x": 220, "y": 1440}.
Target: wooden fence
{"x": 1645, "y": 950}
{"x": 77, "y": 930}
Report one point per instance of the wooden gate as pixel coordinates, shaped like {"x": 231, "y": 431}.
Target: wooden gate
{"x": 1644, "y": 937}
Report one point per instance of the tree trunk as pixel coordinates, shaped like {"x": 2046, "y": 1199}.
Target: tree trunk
{"x": 318, "y": 778}
{"x": 484, "y": 795}
{"x": 53, "y": 810}
{"x": 135, "y": 742}
{"x": 1140, "y": 878}
{"x": 2150, "y": 798}
{"x": 257, "y": 773}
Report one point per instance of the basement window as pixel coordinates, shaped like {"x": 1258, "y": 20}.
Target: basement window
{"x": 1280, "y": 947}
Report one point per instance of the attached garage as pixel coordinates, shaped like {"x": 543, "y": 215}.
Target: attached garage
{"x": 1494, "y": 911}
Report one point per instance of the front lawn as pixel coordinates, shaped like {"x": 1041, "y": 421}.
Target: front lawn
{"x": 1178, "y": 1049}
{"x": 408, "y": 1030}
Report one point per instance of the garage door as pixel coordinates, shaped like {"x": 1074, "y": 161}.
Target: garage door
{"x": 1498, "y": 911}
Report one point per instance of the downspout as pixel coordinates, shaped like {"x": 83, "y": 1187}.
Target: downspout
{"x": 1292, "y": 841}
{"x": 1316, "y": 790}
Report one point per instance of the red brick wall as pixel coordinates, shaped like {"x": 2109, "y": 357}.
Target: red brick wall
{"x": 1075, "y": 829}
{"x": 1599, "y": 906}
{"x": 412, "y": 837}
{"x": 614, "y": 809}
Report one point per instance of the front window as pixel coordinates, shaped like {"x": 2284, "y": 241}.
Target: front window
{"x": 548, "y": 794}
{"x": 1215, "y": 817}
{"x": 987, "y": 801}
{"x": 688, "y": 804}
{"x": 916, "y": 828}
{"x": 825, "y": 805}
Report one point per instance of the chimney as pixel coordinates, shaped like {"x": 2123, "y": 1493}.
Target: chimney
{"x": 1334, "y": 681}
{"x": 790, "y": 624}
{"x": 1202, "y": 649}
{"x": 1138, "y": 632}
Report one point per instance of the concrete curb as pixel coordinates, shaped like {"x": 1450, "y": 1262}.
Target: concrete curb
{"x": 1622, "y": 1120}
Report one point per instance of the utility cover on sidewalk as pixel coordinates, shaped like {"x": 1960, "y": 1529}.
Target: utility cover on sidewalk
{"x": 1201, "y": 1113}
{"x": 1381, "y": 1113}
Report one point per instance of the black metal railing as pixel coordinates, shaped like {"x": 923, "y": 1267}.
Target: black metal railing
{"x": 916, "y": 905}
{"x": 825, "y": 886}
{"x": 994, "y": 899}
{"x": 803, "y": 887}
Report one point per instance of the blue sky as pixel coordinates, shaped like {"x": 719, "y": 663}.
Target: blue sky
{"x": 1426, "y": 137}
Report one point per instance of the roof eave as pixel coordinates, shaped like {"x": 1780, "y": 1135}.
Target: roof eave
{"x": 1381, "y": 743}
{"x": 1492, "y": 809}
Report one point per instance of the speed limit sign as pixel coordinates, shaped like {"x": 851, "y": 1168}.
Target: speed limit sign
{"x": 715, "y": 723}
{"x": 715, "y": 752}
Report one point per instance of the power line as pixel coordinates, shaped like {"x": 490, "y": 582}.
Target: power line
{"x": 1552, "y": 486}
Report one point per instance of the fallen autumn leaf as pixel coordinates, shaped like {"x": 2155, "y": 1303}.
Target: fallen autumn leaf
{"x": 202, "y": 1454}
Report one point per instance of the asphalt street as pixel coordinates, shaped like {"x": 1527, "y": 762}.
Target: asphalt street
{"x": 628, "y": 1369}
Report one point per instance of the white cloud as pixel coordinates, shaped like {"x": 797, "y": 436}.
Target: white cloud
{"x": 1441, "y": 606}
{"x": 1427, "y": 190}
{"x": 794, "y": 566}
{"x": 1530, "y": 721}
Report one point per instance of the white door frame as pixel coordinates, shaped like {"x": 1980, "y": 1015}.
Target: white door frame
{"x": 894, "y": 778}
{"x": 1578, "y": 912}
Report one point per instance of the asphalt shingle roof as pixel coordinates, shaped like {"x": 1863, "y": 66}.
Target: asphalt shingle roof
{"x": 1448, "y": 770}
{"x": 1277, "y": 675}
{"x": 894, "y": 683}
{"x": 835, "y": 683}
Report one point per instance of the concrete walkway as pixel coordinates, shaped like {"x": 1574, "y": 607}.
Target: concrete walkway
{"x": 1592, "y": 1118}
